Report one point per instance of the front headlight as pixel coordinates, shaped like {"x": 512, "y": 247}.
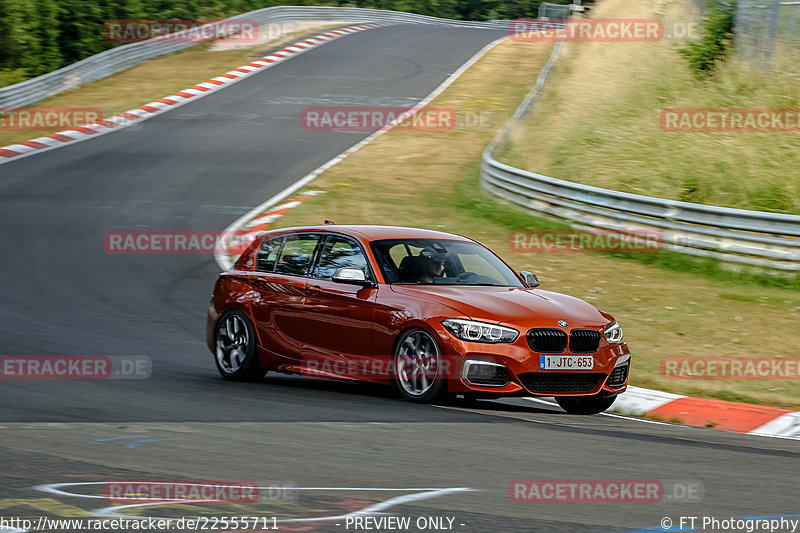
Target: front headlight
{"x": 614, "y": 333}
{"x": 470, "y": 330}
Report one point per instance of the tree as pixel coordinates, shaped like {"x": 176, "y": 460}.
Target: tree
{"x": 50, "y": 57}
{"x": 81, "y": 29}
{"x": 11, "y": 34}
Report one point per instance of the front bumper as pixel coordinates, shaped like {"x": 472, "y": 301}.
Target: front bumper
{"x": 513, "y": 369}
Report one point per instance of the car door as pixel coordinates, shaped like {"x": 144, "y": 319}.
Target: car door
{"x": 339, "y": 316}
{"x": 282, "y": 268}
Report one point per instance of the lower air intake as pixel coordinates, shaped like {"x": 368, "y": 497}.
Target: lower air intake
{"x": 560, "y": 382}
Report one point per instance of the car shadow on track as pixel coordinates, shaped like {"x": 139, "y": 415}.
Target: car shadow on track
{"x": 386, "y": 392}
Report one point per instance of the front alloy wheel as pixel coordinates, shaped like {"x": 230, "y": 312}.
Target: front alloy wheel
{"x": 585, "y": 405}
{"x": 235, "y": 353}
{"x": 419, "y": 371}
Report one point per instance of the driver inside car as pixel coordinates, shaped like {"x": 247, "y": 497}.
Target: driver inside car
{"x": 431, "y": 268}
{"x": 422, "y": 268}
{"x": 432, "y": 265}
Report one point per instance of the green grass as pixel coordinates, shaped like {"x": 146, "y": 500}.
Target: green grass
{"x": 12, "y": 76}
{"x": 714, "y": 269}
{"x": 470, "y": 198}
{"x": 732, "y": 396}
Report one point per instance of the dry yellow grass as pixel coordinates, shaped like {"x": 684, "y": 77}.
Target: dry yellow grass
{"x": 154, "y": 79}
{"x": 422, "y": 179}
{"x": 601, "y": 111}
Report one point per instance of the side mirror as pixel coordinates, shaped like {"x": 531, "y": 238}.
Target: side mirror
{"x": 529, "y": 278}
{"x": 352, "y": 276}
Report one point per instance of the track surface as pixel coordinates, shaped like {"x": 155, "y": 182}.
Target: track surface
{"x": 198, "y": 168}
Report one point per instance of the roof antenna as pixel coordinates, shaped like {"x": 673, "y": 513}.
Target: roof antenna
{"x": 329, "y": 221}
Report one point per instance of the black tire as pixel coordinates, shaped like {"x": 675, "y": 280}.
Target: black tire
{"x": 585, "y": 405}
{"x": 434, "y": 385}
{"x": 235, "y": 351}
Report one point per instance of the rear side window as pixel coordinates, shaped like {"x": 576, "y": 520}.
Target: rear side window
{"x": 296, "y": 254}
{"x": 267, "y": 254}
{"x": 340, "y": 252}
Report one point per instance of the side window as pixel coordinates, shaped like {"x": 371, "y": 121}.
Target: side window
{"x": 296, "y": 254}
{"x": 340, "y": 252}
{"x": 268, "y": 254}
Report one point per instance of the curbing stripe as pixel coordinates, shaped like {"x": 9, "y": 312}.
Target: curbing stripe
{"x": 34, "y": 144}
{"x": 24, "y": 149}
{"x": 731, "y": 416}
{"x": 261, "y": 223}
{"x": 45, "y": 140}
{"x": 638, "y": 401}
{"x": 738, "y": 417}
{"x": 61, "y": 137}
{"x": 786, "y": 426}
{"x": 18, "y": 148}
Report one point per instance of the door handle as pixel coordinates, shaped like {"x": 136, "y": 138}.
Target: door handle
{"x": 313, "y": 289}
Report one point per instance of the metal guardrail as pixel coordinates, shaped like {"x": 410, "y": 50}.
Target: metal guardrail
{"x": 756, "y": 238}
{"x": 126, "y": 56}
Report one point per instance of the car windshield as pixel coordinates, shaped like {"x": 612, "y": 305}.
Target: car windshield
{"x": 441, "y": 262}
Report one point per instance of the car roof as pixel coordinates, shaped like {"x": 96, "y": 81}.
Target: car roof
{"x": 374, "y": 232}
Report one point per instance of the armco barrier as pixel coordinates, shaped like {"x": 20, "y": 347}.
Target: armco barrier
{"x": 756, "y": 238}
{"x": 126, "y": 56}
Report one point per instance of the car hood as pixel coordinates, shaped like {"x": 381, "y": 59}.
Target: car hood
{"x": 513, "y": 306}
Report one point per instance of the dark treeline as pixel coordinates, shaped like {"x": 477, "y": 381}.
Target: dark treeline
{"x": 38, "y": 36}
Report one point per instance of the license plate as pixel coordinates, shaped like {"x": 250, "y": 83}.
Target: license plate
{"x": 566, "y": 362}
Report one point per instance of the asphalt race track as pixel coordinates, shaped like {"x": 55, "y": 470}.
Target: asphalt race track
{"x": 198, "y": 168}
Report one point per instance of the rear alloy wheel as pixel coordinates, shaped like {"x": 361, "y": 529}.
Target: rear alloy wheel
{"x": 585, "y": 405}
{"x": 235, "y": 353}
{"x": 420, "y": 374}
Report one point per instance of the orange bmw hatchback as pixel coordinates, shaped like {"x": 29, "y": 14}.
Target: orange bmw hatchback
{"x": 431, "y": 313}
